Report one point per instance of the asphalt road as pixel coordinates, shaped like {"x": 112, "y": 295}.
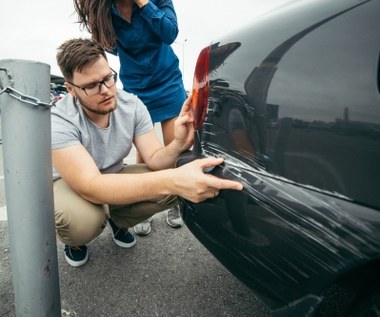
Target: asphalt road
{"x": 168, "y": 273}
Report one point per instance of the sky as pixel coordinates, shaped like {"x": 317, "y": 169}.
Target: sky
{"x": 32, "y": 30}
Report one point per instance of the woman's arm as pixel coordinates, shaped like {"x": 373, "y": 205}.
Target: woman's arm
{"x": 161, "y": 17}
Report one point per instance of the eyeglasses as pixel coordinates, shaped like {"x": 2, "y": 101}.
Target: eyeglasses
{"x": 96, "y": 87}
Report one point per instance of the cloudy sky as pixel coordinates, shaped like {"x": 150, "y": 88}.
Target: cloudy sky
{"x": 32, "y": 30}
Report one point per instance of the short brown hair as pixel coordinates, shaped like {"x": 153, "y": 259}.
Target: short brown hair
{"x": 75, "y": 54}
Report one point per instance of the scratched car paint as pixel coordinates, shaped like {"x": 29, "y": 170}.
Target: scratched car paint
{"x": 292, "y": 104}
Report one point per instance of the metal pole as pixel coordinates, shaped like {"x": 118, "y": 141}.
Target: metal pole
{"x": 29, "y": 191}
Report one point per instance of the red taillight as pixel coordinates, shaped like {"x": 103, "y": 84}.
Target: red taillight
{"x": 200, "y": 87}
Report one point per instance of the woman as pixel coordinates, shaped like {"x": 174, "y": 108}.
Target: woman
{"x": 140, "y": 32}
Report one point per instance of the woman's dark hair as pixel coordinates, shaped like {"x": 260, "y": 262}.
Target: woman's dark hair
{"x": 95, "y": 16}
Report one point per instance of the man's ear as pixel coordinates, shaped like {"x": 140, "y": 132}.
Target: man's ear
{"x": 70, "y": 88}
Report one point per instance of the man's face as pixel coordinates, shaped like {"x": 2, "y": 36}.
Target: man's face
{"x": 94, "y": 101}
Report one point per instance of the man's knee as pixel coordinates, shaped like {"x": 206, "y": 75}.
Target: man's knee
{"x": 77, "y": 228}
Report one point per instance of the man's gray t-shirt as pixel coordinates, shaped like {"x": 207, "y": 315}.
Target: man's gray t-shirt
{"x": 108, "y": 147}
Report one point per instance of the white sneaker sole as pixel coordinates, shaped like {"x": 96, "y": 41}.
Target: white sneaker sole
{"x": 76, "y": 263}
{"x": 124, "y": 245}
{"x": 176, "y": 224}
{"x": 139, "y": 228}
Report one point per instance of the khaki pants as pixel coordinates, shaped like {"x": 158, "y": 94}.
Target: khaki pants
{"x": 78, "y": 221}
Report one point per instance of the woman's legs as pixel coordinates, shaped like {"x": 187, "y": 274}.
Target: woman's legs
{"x": 173, "y": 218}
{"x": 167, "y": 128}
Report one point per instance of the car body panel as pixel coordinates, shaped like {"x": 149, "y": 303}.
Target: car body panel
{"x": 294, "y": 110}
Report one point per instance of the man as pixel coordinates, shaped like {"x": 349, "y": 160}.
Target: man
{"x": 93, "y": 129}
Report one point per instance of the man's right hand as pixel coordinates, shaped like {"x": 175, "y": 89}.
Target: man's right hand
{"x": 193, "y": 184}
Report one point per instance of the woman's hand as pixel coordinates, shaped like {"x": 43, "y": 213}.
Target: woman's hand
{"x": 141, "y": 3}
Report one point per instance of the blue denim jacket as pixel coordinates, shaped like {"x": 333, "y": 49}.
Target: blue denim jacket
{"x": 149, "y": 66}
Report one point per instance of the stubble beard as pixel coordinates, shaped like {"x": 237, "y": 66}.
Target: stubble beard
{"x": 97, "y": 111}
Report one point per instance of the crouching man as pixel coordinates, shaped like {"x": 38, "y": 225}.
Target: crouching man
{"x": 93, "y": 129}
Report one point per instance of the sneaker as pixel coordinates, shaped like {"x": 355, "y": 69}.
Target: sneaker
{"x": 143, "y": 228}
{"x": 173, "y": 218}
{"x": 76, "y": 256}
{"x": 122, "y": 237}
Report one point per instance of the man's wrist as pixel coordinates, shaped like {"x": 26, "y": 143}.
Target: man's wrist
{"x": 175, "y": 148}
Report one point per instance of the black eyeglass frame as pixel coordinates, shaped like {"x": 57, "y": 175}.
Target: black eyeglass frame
{"x": 100, "y": 83}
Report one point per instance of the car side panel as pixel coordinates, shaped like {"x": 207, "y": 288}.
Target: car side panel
{"x": 294, "y": 110}
{"x": 310, "y": 106}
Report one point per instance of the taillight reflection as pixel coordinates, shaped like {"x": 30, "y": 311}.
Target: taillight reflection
{"x": 200, "y": 87}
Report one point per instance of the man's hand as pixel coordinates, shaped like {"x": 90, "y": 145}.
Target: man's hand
{"x": 193, "y": 184}
{"x": 184, "y": 127}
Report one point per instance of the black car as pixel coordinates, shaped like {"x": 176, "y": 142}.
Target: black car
{"x": 57, "y": 87}
{"x": 292, "y": 104}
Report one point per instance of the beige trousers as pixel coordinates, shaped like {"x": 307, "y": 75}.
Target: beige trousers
{"x": 78, "y": 221}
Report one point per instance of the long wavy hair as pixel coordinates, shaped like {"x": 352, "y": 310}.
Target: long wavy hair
{"x": 95, "y": 16}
